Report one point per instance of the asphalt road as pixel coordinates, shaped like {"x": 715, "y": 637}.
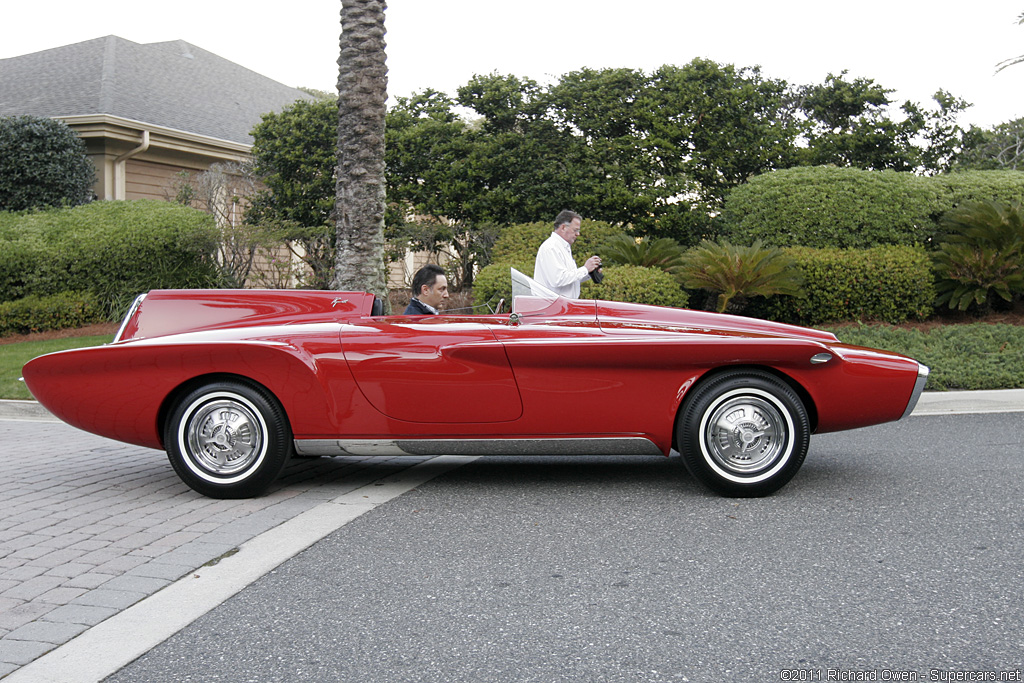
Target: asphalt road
{"x": 895, "y": 554}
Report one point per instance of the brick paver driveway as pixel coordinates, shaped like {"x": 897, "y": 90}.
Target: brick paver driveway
{"x": 89, "y": 526}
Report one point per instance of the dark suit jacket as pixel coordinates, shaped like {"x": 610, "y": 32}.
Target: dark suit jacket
{"x": 416, "y": 308}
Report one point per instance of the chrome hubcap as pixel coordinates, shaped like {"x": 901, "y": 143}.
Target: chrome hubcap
{"x": 224, "y": 436}
{"x": 745, "y": 434}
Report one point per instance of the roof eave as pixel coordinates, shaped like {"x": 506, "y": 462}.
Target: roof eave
{"x": 129, "y": 130}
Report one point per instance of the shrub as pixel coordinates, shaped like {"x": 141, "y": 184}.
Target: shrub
{"x": 637, "y": 284}
{"x": 890, "y": 284}
{"x": 965, "y": 187}
{"x": 519, "y": 243}
{"x": 739, "y": 273}
{"x": 517, "y": 248}
{"x": 114, "y": 249}
{"x": 827, "y": 207}
{"x": 44, "y": 164}
{"x": 621, "y": 283}
{"x": 57, "y": 312}
{"x": 982, "y": 257}
{"x": 493, "y": 282}
{"x": 19, "y": 263}
{"x": 824, "y": 207}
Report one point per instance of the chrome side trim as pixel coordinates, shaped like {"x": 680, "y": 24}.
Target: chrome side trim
{"x": 128, "y": 316}
{"x": 563, "y": 446}
{"x": 915, "y": 396}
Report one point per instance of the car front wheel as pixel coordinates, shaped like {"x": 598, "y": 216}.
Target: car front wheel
{"x": 743, "y": 433}
{"x": 228, "y": 439}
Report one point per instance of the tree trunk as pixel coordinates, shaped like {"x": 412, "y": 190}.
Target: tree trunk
{"x": 359, "y": 199}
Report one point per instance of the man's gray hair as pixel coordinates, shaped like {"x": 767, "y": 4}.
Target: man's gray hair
{"x": 565, "y": 217}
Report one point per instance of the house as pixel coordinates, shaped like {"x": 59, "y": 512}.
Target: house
{"x": 145, "y": 111}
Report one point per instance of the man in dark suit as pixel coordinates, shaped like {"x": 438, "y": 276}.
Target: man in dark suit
{"x": 429, "y": 289}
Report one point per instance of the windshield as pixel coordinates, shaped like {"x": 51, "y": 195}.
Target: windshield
{"x": 524, "y": 285}
{"x": 528, "y": 295}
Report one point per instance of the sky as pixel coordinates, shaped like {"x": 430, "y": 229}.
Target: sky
{"x": 913, "y": 47}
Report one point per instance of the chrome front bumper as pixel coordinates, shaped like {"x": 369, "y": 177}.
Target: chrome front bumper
{"x": 915, "y": 396}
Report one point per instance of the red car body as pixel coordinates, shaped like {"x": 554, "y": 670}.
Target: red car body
{"x": 555, "y": 376}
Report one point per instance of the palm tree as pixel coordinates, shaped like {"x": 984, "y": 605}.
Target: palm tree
{"x": 663, "y": 253}
{"x": 1013, "y": 60}
{"x": 738, "y": 273}
{"x": 981, "y": 257}
{"x": 359, "y": 199}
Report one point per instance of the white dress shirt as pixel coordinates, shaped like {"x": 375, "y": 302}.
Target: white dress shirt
{"x": 556, "y": 269}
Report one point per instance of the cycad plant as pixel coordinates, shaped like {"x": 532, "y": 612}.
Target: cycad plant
{"x": 663, "y": 253}
{"x": 738, "y": 273}
{"x": 982, "y": 256}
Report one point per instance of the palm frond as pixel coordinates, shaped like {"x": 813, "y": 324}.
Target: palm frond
{"x": 1008, "y": 63}
{"x": 663, "y": 253}
{"x": 740, "y": 272}
{"x": 981, "y": 257}
{"x": 1014, "y": 60}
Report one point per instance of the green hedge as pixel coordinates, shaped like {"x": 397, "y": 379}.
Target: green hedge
{"x": 113, "y": 249}
{"x": 635, "y": 284}
{"x": 890, "y": 284}
{"x": 57, "y": 312}
{"x": 494, "y": 282}
{"x": 824, "y": 206}
{"x": 519, "y": 243}
{"x": 517, "y": 248}
{"x": 638, "y": 284}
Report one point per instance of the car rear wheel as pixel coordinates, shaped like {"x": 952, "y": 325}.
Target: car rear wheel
{"x": 228, "y": 439}
{"x": 743, "y": 433}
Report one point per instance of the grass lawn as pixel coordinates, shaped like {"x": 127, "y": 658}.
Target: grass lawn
{"x": 961, "y": 357}
{"x": 14, "y": 356}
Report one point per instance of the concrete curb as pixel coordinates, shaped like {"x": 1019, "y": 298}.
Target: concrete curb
{"x": 24, "y": 410}
{"x": 954, "y": 402}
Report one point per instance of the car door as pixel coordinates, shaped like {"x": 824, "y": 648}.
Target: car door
{"x": 576, "y": 380}
{"x": 432, "y": 369}
{"x": 560, "y": 365}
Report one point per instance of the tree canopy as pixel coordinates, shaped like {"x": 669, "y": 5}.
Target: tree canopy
{"x": 999, "y": 148}
{"x": 655, "y": 153}
{"x": 294, "y": 154}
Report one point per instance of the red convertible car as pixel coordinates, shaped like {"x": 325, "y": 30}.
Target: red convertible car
{"x": 231, "y": 383}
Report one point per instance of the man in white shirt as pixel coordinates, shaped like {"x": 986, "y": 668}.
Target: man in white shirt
{"x": 555, "y": 267}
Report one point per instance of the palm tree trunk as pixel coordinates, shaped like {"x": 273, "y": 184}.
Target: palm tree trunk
{"x": 359, "y": 200}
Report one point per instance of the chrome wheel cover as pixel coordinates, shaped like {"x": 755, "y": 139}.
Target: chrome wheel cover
{"x": 223, "y": 437}
{"x": 746, "y": 435}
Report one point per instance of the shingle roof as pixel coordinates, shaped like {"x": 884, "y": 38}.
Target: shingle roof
{"x": 174, "y": 84}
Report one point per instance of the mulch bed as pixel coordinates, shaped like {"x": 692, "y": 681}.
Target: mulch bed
{"x": 90, "y": 330}
{"x": 1011, "y": 317}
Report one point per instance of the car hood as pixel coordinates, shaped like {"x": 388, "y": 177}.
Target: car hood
{"x": 614, "y": 316}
